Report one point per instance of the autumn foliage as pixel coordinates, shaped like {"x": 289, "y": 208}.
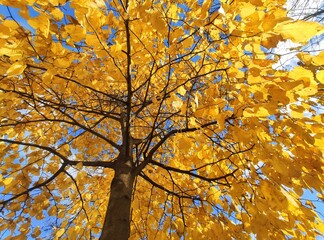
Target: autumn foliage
{"x": 158, "y": 120}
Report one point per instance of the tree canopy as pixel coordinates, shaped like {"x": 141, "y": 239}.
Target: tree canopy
{"x": 158, "y": 120}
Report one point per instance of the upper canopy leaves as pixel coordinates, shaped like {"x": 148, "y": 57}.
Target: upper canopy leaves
{"x": 223, "y": 144}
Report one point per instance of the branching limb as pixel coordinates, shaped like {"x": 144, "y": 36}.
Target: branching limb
{"x": 65, "y": 160}
{"x": 192, "y": 174}
{"x": 60, "y": 170}
{"x": 149, "y": 156}
{"x": 194, "y": 198}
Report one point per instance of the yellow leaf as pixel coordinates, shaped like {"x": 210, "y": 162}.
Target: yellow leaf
{"x": 215, "y": 195}
{"x": 173, "y": 11}
{"x": 320, "y": 227}
{"x": 310, "y": 203}
{"x": 247, "y": 10}
{"x": 177, "y": 104}
{"x": 36, "y": 232}
{"x": 40, "y": 23}
{"x": 299, "y": 31}
{"x": 291, "y": 202}
{"x": 300, "y": 73}
{"x": 193, "y": 122}
{"x": 182, "y": 91}
{"x": 87, "y": 197}
{"x": 66, "y": 148}
{"x": 48, "y": 75}
{"x": 269, "y": 22}
{"x": 5, "y": 31}
{"x": 63, "y": 62}
{"x": 57, "y": 48}
{"x": 260, "y": 112}
{"x": 93, "y": 41}
{"x": 296, "y": 114}
{"x": 266, "y": 190}
{"x": 320, "y": 76}
{"x": 73, "y": 231}
{"x": 319, "y": 59}
{"x": 184, "y": 144}
{"x": 79, "y": 166}
{"x": 281, "y": 166}
{"x": 16, "y": 69}
{"x": 76, "y": 32}
{"x": 57, "y": 14}
{"x": 157, "y": 21}
{"x": 52, "y": 211}
{"x": 100, "y": 3}
{"x": 220, "y": 118}
{"x": 7, "y": 181}
{"x": 319, "y": 141}
{"x": 308, "y": 91}
{"x": 179, "y": 226}
{"x": 24, "y": 227}
{"x": 94, "y": 82}
{"x": 59, "y": 233}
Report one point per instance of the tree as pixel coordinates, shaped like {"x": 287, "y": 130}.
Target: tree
{"x": 157, "y": 120}
{"x": 306, "y": 10}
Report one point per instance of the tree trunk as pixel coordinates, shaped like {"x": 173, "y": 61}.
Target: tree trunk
{"x": 117, "y": 220}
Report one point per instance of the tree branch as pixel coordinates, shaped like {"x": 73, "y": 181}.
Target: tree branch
{"x": 65, "y": 160}
{"x": 189, "y": 172}
{"x": 167, "y": 190}
{"x": 149, "y": 156}
{"x": 60, "y": 170}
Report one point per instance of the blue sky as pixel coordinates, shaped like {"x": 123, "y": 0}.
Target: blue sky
{"x": 4, "y": 11}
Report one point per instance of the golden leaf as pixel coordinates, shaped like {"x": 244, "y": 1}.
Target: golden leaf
{"x": 300, "y": 73}
{"x": 182, "y": 91}
{"x": 218, "y": 131}
{"x": 299, "y": 31}
{"x": 16, "y": 69}
{"x": 257, "y": 112}
{"x": 41, "y": 23}
{"x": 320, "y": 76}
{"x": 59, "y": 233}
{"x": 7, "y": 181}
{"x": 57, "y": 14}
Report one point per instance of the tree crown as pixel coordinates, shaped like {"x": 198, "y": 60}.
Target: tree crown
{"x": 219, "y": 141}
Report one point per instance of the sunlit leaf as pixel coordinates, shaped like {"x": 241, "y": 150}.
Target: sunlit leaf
{"x": 159, "y": 120}
{"x": 299, "y": 31}
{"x": 16, "y": 69}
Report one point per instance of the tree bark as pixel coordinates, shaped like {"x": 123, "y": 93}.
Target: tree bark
{"x": 117, "y": 220}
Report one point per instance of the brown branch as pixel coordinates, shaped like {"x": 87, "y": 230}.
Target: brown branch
{"x": 65, "y": 160}
{"x": 167, "y": 190}
{"x": 94, "y": 163}
{"x": 79, "y": 192}
{"x": 45, "y": 102}
{"x": 149, "y": 156}
{"x": 103, "y": 46}
{"x": 78, "y": 83}
{"x": 60, "y": 170}
{"x": 126, "y": 132}
{"x": 190, "y": 172}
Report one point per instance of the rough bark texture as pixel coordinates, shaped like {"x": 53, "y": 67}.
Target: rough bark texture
{"x": 117, "y": 220}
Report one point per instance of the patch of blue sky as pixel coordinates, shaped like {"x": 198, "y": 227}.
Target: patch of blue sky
{"x": 238, "y": 18}
{"x": 195, "y": 58}
{"x": 311, "y": 195}
{"x": 14, "y": 12}
{"x": 248, "y": 53}
{"x": 215, "y": 5}
{"x": 184, "y": 7}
